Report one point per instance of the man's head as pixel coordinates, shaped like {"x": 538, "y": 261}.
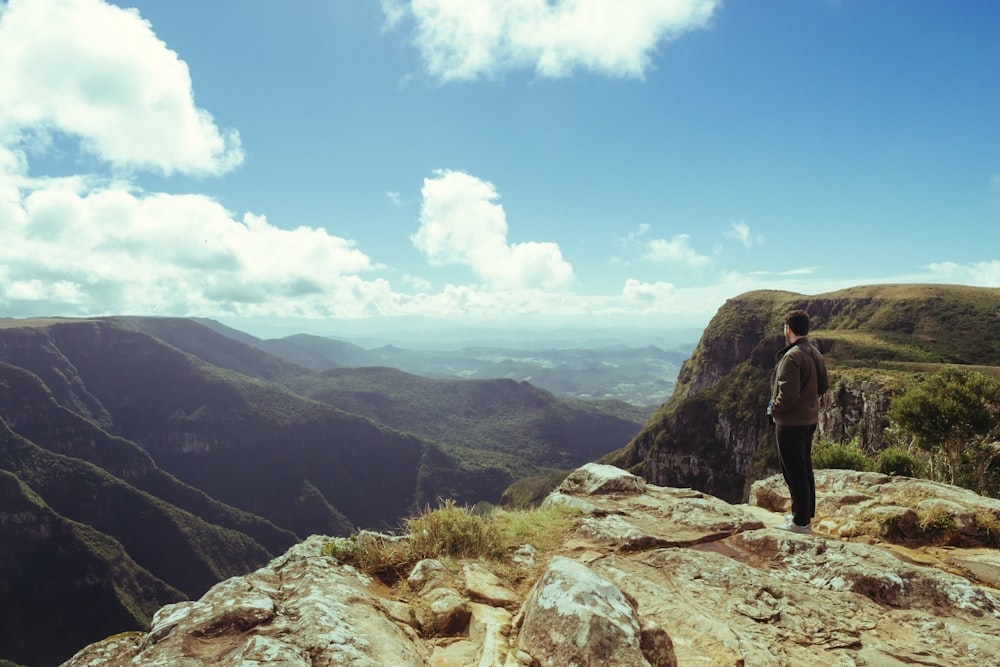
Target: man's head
{"x": 797, "y": 323}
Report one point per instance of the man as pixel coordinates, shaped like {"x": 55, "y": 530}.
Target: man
{"x": 799, "y": 380}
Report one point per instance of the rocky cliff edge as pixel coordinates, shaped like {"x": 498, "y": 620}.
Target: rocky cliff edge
{"x": 897, "y": 571}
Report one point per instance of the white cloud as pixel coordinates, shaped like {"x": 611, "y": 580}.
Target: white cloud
{"x": 417, "y": 283}
{"x": 977, "y": 274}
{"x": 634, "y": 236}
{"x": 802, "y": 271}
{"x": 741, "y": 232}
{"x": 470, "y": 39}
{"x": 394, "y": 11}
{"x": 111, "y": 250}
{"x": 675, "y": 251}
{"x": 461, "y": 223}
{"x": 92, "y": 71}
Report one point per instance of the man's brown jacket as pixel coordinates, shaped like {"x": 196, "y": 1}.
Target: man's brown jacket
{"x": 799, "y": 381}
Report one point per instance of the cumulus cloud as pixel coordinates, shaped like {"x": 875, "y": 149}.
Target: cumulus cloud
{"x": 468, "y": 40}
{"x": 676, "y": 251}
{"x": 76, "y": 253}
{"x": 98, "y": 73}
{"x": 461, "y": 223}
{"x": 86, "y": 244}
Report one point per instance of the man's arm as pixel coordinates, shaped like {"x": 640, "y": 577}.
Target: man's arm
{"x": 822, "y": 381}
{"x": 788, "y": 385}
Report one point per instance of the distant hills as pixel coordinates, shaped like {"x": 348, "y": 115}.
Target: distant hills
{"x": 643, "y": 376}
{"x": 144, "y": 459}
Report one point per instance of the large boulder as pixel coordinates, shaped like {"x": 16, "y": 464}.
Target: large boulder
{"x": 574, "y": 617}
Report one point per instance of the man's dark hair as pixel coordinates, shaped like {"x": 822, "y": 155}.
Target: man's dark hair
{"x": 798, "y": 322}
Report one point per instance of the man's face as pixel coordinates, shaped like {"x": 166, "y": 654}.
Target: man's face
{"x": 787, "y": 331}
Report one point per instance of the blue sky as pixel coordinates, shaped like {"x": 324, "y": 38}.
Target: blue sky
{"x": 316, "y": 164}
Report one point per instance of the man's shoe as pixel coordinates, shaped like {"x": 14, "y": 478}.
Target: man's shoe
{"x": 793, "y": 527}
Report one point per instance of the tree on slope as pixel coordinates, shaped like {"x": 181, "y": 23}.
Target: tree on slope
{"x": 956, "y": 413}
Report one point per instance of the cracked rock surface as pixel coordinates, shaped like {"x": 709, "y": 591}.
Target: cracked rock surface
{"x": 653, "y": 576}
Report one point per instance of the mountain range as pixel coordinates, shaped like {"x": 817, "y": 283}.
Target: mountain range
{"x": 142, "y": 460}
{"x": 605, "y": 369}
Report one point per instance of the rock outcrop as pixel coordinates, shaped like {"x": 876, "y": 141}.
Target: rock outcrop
{"x": 897, "y": 571}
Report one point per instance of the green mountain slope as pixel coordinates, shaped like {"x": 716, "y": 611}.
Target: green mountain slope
{"x": 513, "y": 418}
{"x": 29, "y": 408}
{"x": 65, "y": 584}
{"x": 179, "y": 548}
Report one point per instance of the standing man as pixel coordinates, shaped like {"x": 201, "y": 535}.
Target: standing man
{"x": 799, "y": 380}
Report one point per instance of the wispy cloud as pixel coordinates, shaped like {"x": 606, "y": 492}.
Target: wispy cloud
{"x": 980, "y": 274}
{"x": 472, "y": 39}
{"x": 394, "y": 12}
{"x": 741, "y": 232}
{"x": 676, "y": 250}
{"x": 417, "y": 283}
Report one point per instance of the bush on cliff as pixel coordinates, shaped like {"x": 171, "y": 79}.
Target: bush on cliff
{"x": 845, "y": 456}
{"x": 452, "y": 532}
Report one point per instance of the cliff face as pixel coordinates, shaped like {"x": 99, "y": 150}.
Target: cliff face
{"x": 651, "y": 576}
{"x": 713, "y": 434}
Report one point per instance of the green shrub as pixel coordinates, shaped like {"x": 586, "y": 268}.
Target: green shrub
{"x": 454, "y": 531}
{"x": 937, "y": 520}
{"x": 378, "y": 554}
{"x": 451, "y": 531}
{"x": 846, "y": 456}
{"x": 893, "y": 461}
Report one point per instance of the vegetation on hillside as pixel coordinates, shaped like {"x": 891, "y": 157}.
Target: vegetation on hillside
{"x": 504, "y": 416}
{"x": 945, "y": 428}
{"x": 953, "y": 417}
{"x": 64, "y": 584}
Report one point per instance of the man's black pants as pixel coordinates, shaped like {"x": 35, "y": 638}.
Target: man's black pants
{"x": 795, "y": 457}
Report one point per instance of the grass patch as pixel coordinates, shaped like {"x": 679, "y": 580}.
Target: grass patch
{"x": 936, "y": 521}
{"x": 455, "y": 531}
{"x": 934, "y": 525}
{"x": 452, "y": 532}
{"x": 881, "y": 346}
